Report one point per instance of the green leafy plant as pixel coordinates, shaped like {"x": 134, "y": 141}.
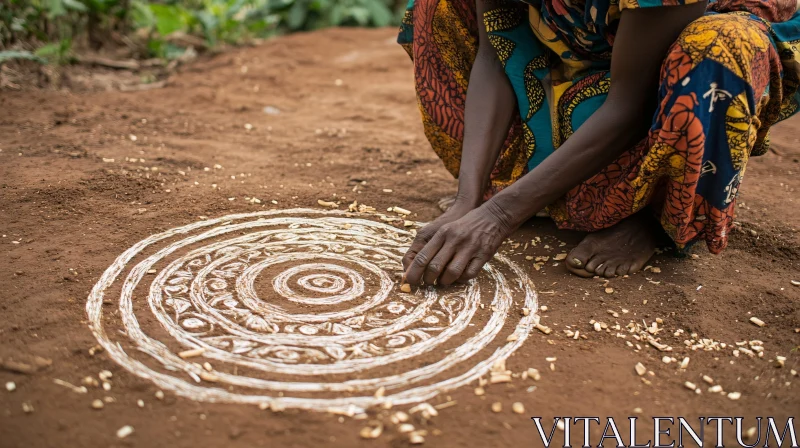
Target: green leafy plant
{"x": 11, "y": 55}
{"x": 168, "y": 27}
{"x": 59, "y": 52}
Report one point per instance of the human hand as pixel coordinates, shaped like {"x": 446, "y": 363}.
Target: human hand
{"x": 456, "y": 250}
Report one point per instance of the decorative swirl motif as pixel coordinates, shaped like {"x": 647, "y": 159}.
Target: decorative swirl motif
{"x": 302, "y": 307}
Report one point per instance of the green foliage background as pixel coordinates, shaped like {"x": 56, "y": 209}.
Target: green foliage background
{"x": 55, "y": 27}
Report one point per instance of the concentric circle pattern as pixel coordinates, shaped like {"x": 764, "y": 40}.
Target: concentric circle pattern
{"x": 301, "y": 308}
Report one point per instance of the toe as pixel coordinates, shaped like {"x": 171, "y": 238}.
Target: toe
{"x": 581, "y": 255}
{"x": 636, "y": 266}
{"x": 624, "y": 268}
{"x": 594, "y": 265}
{"x": 609, "y": 269}
{"x": 579, "y": 272}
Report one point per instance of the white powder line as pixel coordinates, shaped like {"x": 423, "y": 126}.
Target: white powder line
{"x": 331, "y": 308}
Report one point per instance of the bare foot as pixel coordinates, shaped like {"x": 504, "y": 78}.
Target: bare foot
{"x": 619, "y": 250}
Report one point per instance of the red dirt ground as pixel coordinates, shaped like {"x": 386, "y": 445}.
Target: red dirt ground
{"x": 68, "y": 211}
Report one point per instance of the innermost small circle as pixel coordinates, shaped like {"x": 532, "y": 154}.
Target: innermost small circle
{"x": 337, "y": 283}
{"x": 323, "y": 283}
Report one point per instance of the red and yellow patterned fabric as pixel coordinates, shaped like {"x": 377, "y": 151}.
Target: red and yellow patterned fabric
{"x": 731, "y": 75}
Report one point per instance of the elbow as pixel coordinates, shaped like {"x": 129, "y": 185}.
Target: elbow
{"x": 629, "y": 112}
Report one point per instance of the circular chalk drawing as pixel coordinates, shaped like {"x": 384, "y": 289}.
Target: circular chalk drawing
{"x": 302, "y": 308}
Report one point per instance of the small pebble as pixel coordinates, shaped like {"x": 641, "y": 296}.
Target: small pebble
{"x": 416, "y": 439}
{"x": 497, "y": 406}
{"x": 125, "y": 431}
{"x": 11, "y": 386}
{"x": 97, "y": 404}
{"x": 518, "y": 408}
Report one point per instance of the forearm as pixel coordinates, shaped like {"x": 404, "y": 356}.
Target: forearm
{"x": 601, "y": 139}
{"x": 488, "y": 113}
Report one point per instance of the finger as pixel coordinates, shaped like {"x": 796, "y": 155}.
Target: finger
{"x": 456, "y": 268}
{"x": 416, "y": 246}
{"x": 439, "y": 262}
{"x": 417, "y": 267}
{"x": 472, "y": 270}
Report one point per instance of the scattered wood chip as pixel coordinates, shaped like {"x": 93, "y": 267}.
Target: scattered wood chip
{"x": 401, "y": 210}
{"x": 690, "y": 385}
{"x": 372, "y": 432}
{"x": 380, "y": 392}
{"x": 192, "y": 353}
{"x": 208, "y": 376}
{"x": 445, "y": 405}
{"x": 518, "y": 408}
{"x": 98, "y": 404}
{"x": 72, "y": 387}
{"x": 405, "y": 287}
{"x": 500, "y": 378}
{"x": 658, "y": 345}
{"x": 735, "y": 395}
{"x": 640, "y": 369}
{"x": 327, "y": 203}
{"x": 479, "y": 391}
{"x": 399, "y": 417}
{"x": 757, "y": 321}
{"x": 542, "y": 328}
{"x": 416, "y": 439}
{"x": 708, "y": 379}
{"x": 497, "y": 406}
{"x": 405, "y": 427}
{"x": 11, "y": 386}
{"x": 28, "y": 367}
{"x": 425, "y": 409}
{"x": 685, "y": 363}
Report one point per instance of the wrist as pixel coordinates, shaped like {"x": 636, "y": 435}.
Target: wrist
{"x": 468, "y": 201}
{"x": 505, "y": 221}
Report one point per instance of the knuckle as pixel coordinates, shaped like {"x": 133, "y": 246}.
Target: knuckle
{"x": 420, "y": 260}
{"x": 453, "y": 271}
{"x": 434, "y": 267}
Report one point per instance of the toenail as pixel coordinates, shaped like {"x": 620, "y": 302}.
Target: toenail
{"x": 577, "y": 262}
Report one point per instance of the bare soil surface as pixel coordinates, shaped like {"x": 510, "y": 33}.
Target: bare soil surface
{"x": 84, "y": 176}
